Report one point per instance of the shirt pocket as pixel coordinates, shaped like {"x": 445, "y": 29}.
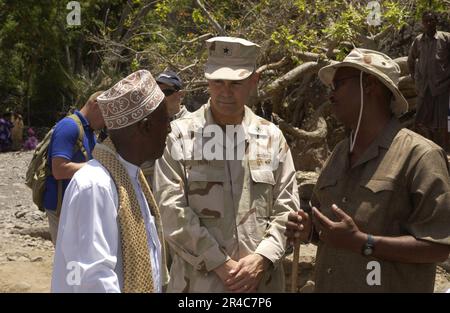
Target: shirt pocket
{"x": 205, "y": 191}
{"x": 255, "y": 220}
{"x": 326, "y": 192}
{"x": 375, "y": 204}
{"x": 262, "y": 191}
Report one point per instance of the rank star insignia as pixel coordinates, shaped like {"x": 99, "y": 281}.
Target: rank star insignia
{"x": 226, "y": 51}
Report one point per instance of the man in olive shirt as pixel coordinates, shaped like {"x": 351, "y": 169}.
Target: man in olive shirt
{"x": 429, "y": 66}
{"x": 383, "y": 197}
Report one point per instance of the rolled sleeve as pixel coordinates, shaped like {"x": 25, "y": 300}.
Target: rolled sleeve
{"x": 430, "y": 187}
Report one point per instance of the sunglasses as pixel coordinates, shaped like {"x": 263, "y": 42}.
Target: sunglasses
{"x": 335, "y": 84}
{"x": 169, "y": 92}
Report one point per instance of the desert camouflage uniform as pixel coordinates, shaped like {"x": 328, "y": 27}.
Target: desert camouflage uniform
{"x": 233, "y": 208}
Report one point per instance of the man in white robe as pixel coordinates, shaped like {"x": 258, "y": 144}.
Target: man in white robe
{"x": 89, "y": 254}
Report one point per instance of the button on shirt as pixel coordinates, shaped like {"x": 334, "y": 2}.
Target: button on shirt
{"x": 88, "y": 255}
{"x": 399, "y": 186}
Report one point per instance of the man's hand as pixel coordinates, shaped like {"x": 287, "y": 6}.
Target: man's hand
{"x": 223, "y": 271}
{"x": 248, "y": 273}
{"x": 343, "y": 234}
{"x": 298, "y": 226}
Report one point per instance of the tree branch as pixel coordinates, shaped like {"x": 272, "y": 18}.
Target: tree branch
{"x": 315, "y": 136}
{"x": 383, "y": 33}
{"x": 137, "y": 21}
{"x": 272, "y": 66}
{"x": 290, "y": 77}
{"x": 214, "y": 23}
{"x": 198, "y": 83}
{"x": 123, "y": 17}
{"x": 309, "y": 56}
{"x": 207, "y": 35}
{"x": 188, "y": 67}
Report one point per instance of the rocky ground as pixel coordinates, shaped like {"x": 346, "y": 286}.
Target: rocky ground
{"x": 26, "y": 253}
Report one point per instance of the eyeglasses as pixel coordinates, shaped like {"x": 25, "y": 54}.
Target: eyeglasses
{"x": 335, "y": 84}
{"x": 169, "y": 92}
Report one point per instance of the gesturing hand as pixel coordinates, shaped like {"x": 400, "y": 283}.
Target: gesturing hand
{"x": 343, "y": 234}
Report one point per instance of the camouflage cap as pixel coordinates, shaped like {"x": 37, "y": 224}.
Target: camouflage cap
{"x": 230, "y": 58}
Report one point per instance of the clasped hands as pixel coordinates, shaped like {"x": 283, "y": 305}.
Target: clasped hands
{"x": 243, "y": 275}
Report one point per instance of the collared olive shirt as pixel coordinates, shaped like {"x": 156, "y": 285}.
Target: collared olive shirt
{"x": 399, "y": 186}
{"x": 431, "y": 59}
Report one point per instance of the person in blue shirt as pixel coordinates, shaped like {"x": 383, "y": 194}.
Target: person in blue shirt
{"x": 65, "y": 158}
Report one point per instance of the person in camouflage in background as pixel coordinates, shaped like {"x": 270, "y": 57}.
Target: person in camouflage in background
{"x": 224, "y": 209}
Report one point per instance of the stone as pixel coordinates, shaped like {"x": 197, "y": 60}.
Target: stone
{"x": 42, "y": 232}
{"x": 37, "y": 217}
{"x": 37, "y": 259}
{"x": 445, "y": 265}
{"x": 21, "y": 287}
{"x": 9, "y": 225}
{"x": 20, "y": 214}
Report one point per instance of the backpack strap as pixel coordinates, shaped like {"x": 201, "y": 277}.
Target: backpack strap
{"x": 78, "y": 146}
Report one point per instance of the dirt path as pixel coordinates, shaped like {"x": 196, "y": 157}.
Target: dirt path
{"x": 26, "y": 257}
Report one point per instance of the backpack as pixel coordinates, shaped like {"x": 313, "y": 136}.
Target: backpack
{"x": 38, "y": 169}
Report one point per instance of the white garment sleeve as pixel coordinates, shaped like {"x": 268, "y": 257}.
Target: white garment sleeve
{"x": 88, "y": 241}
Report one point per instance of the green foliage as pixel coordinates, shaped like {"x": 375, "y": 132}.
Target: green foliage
{"x": 301, "y": 5}
{"x": 197, "y": 16}
{"x": 348, "y": 25}
{"x": 162, "y": 9}
{"x": 51, "y": 66}
{"x": 436, "y": 5}
{"x": 395, "y": 14}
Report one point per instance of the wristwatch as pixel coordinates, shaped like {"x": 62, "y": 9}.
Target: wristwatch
{"x": 369, "y": 246}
